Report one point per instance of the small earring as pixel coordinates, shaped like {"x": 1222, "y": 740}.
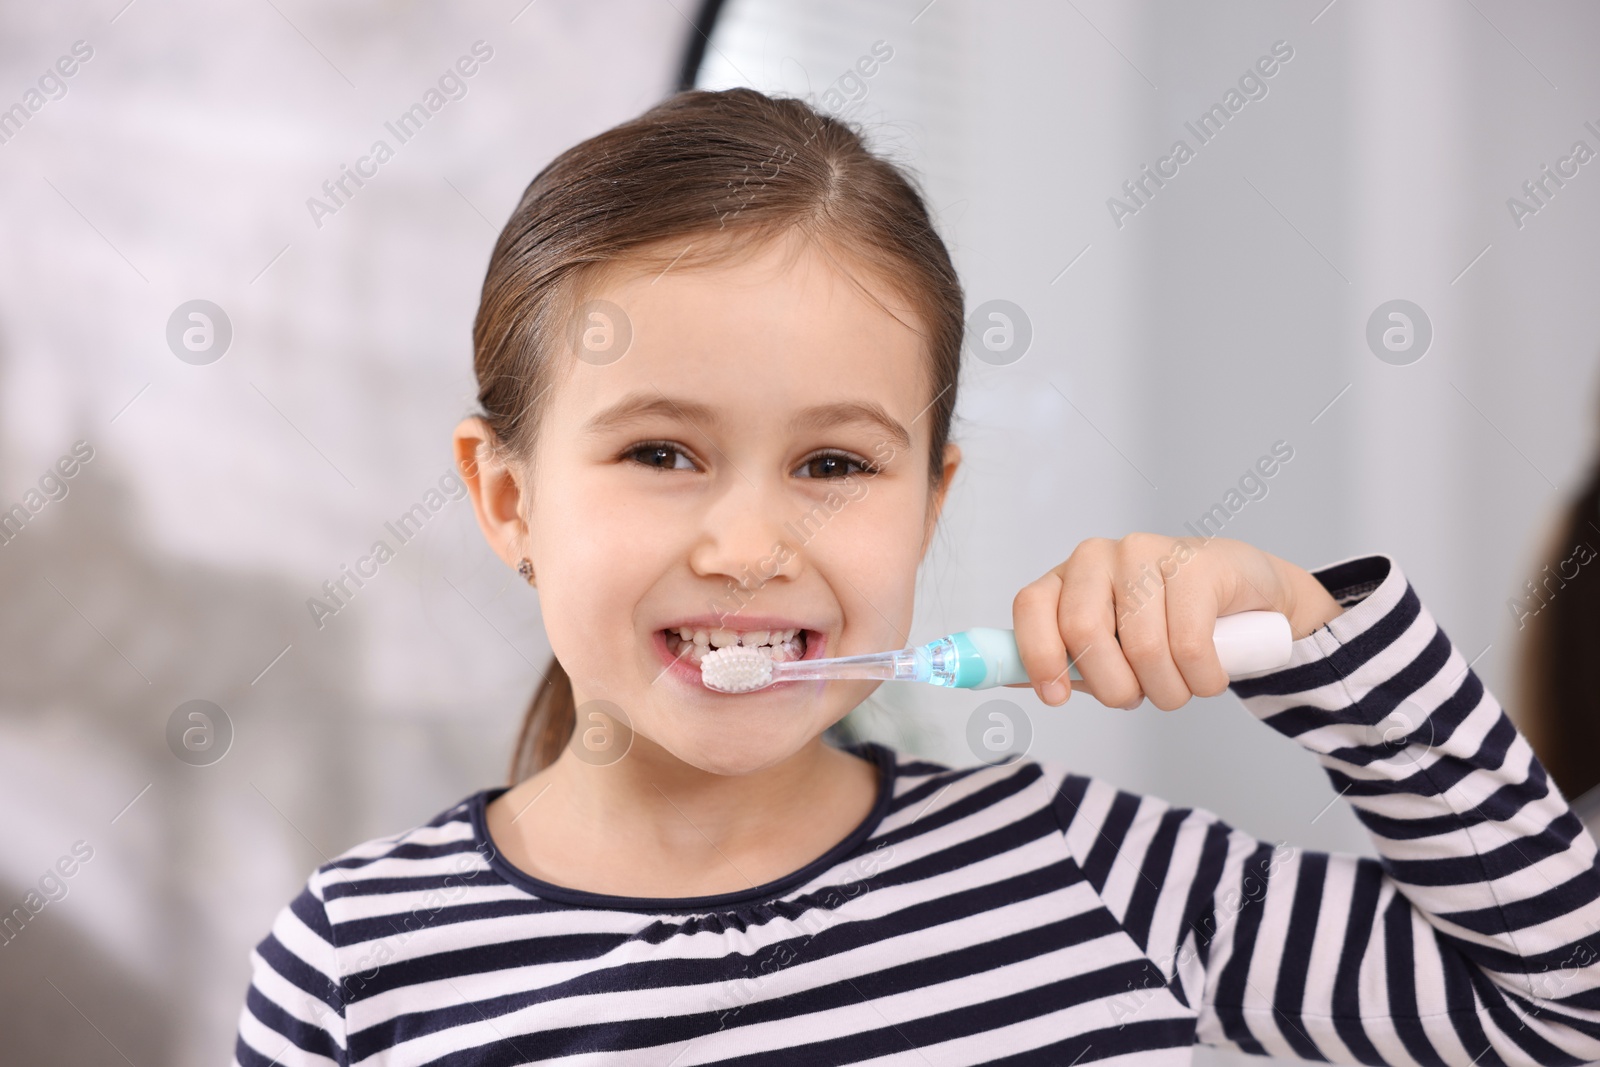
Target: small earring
{"x": 525, "y": 568}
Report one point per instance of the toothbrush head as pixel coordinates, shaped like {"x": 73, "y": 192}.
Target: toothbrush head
{"x": 736, "y": 669}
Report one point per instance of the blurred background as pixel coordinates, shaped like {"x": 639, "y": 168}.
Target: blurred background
{"x": 1166, "y": 335}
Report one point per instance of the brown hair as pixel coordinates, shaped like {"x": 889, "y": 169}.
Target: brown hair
{"x": 1558, "y": 672}
{"x": 699, "y": 167}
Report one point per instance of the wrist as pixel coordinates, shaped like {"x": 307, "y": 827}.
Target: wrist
{"x": 1309, "y": 606}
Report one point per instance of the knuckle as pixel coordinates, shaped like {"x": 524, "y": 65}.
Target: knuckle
{"x": 1118, "y": 696}
{"x": 1141, "y": 643}
{"x": 1078, "y": 629}
{"x": 1188, "y": 647}
{"x": 1093, "y": 548}
{"x": 1027, "y": 596}
{"x": 1140, "y": 543}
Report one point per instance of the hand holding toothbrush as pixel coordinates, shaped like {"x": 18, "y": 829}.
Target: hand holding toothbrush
{"x": 1138, "y": 616}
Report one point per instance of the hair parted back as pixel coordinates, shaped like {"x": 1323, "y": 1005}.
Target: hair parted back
{"x": 720, "y": 172}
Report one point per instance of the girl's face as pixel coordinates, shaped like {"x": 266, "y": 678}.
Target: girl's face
{"x": 756, "y": 460}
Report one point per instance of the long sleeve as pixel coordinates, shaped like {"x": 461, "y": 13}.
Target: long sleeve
{"x": 1474, "y": 938}
{"x": 293, "y": 1012}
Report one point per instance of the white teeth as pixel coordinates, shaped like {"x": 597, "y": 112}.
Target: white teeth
{"x": 780, "y": 645}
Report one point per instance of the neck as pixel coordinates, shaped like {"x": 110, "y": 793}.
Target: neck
{"x": 670, "y": 799}
{"x": 651, "y": 825}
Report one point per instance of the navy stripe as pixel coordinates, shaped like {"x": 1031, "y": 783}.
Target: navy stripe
{"x": 1108, "y": 842}
{"x": 1235, "y": 980}
{"x": 1294, "y": 967}
{"x": 920, "y": 794}
{"x": 1508, "y": 859}
{"x": 1199, "y": 911}
{"x": 1406, "y": 726}
{"x": 1347, "y": 1006}
{"x": 297, "y": 972}
{"x": 1500, "y": 806}
{"x": 1152, "y": 876}
{"x": 409, "y": 850}
{"x": 1068, "y": 798}
{"x": 1400, "y": 972}
{"x": 304, "y": 1036}
{"x": 309, "y": 910}
{"x": 1094, "y": 1045}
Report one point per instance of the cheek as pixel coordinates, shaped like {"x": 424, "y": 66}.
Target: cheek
{"x": 868, "y": 557}
{"x": 596, "y": 561}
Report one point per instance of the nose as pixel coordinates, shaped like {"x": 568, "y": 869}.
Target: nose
{"x": 744, "y": 534}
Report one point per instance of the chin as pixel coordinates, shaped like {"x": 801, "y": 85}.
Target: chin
{"x": 739, "y": 748}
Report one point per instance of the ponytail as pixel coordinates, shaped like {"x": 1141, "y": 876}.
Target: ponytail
{"x": 547, "y": 726}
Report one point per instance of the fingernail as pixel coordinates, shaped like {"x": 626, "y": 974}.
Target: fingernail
{"x": 1133, "y": 704}
{"x": 1054, "y": 692}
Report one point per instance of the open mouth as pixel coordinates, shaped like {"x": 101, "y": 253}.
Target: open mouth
{"x": 692, "y": 646}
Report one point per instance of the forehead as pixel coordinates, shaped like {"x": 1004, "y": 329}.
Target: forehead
{"x": 780, "y": 327}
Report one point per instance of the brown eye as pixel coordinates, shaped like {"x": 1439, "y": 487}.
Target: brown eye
{"x": 661, "y": 455}
{"x": 831, "y": 466}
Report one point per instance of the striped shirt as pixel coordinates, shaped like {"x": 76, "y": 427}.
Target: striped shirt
{"x": 1016, "y": 914}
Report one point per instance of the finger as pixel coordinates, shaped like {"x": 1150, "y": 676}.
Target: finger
{"x": 1086, "y": 617}
{"x": 1142, "y": 626}
{"x": 1191, "y": 636}
{"x": 1039, "y": 642}
{"x": 1075, "y": 685}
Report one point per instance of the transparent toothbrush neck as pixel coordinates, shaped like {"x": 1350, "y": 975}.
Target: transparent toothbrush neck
{"x": 934, "y": 662}
{"x": 937, "y": 662}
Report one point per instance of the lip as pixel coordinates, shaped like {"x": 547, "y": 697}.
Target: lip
{"x": 688, "y": 674}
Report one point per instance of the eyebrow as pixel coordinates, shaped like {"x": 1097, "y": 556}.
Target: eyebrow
{"x": 638, "y": 406}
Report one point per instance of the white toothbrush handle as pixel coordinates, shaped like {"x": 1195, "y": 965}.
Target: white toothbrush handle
{"x": 1246, "y": 642}
{"x": 1252, "y": 641}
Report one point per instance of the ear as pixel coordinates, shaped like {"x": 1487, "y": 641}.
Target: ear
{"x": 952, "y": 460}
{"x": 494, "y": 489}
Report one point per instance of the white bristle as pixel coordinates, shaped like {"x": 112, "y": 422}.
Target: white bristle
{"x": 736, "y": 669}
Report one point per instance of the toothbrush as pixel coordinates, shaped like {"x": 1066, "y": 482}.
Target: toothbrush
{"x": 980, "y": 658}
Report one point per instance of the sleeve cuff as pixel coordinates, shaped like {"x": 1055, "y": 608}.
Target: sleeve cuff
{"x": 1352, "y": 580}
{"x": 1344, "y": 659}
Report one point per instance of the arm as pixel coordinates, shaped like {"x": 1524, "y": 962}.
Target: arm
{"x": 1474, "y": 938}
{"x": 293, "y": 1013}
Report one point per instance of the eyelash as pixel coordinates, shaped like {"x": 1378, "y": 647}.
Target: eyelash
{"x": 866, "y": 467}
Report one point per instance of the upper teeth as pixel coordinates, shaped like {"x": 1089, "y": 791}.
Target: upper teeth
{"x": 724, "y": 638}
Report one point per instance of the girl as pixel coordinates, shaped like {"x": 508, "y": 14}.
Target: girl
{"x": 717, "y": 352}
